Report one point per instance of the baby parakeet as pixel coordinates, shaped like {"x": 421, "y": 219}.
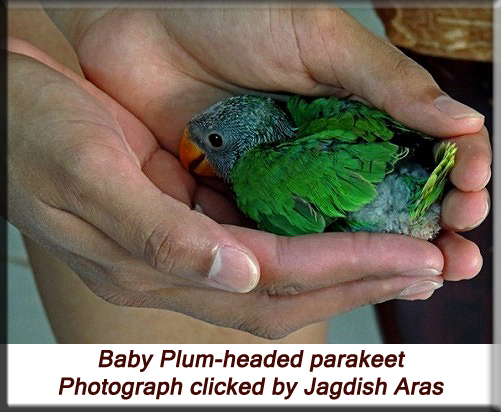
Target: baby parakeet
{"x": 324, "y": 164}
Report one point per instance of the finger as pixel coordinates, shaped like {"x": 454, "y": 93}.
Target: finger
{"x": 462, "y": 257}
{"x": 472, "y": 169}
{"x": 294, "y": 312}
{"x": 100, "y": 262}
{"x": 152, "y": 226}
{"x": 297, "y": 264}
{"x": 276, "y": 316}
{"x": 464, "y": 211}
{"x": 163, "y": 168}
{"x": 112, "y": 273}
{"x": 345, "y": 53}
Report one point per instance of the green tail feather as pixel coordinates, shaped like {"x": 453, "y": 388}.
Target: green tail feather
{"x": 434, "y": 186}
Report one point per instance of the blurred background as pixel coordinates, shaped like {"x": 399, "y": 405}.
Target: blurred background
{"x": 456, "y": 47}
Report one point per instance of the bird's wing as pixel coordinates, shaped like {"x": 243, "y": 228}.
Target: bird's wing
{"x": 367, "y": 123}
{"x": 301, "y": 186}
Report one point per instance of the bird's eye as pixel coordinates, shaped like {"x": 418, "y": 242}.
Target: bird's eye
{"x": 215, "y": 140}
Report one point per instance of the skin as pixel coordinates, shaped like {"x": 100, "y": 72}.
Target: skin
{"x": 139, "y": 241}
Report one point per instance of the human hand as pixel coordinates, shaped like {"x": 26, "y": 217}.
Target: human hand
{"x": 164, "y": 86}
{"x": 77, "y": 184}
{"x": 197, "y": 57}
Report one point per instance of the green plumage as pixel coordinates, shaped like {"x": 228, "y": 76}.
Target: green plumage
{"x": 342, "y": 150}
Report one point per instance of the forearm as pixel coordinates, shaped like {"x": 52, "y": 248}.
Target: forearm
{"x": 34, "y": 26}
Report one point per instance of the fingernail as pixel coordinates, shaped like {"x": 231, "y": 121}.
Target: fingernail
{"x": 422, "y": 272}
{"x": 418, "y": 288}
{"x": 233, "y": 270}
{"x": 487, "y": 208}
{"x": 486, "y": 212}
{"x": 454, "y": 109}
{"x": 489, "y": 175}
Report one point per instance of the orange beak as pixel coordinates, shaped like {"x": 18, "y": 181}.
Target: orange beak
{"x": 193, "y": 158}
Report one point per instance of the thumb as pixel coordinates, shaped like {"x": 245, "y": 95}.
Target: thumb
{"x": 377, "y": 71}
{"x": 188, "y": 244}
{"x": 166, "y": 233}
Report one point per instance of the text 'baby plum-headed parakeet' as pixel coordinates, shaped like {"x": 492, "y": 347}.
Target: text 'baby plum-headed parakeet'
{"x": 325, "y": 164}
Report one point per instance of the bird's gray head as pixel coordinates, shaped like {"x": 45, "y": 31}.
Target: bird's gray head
{"x": 229, "y": 128}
